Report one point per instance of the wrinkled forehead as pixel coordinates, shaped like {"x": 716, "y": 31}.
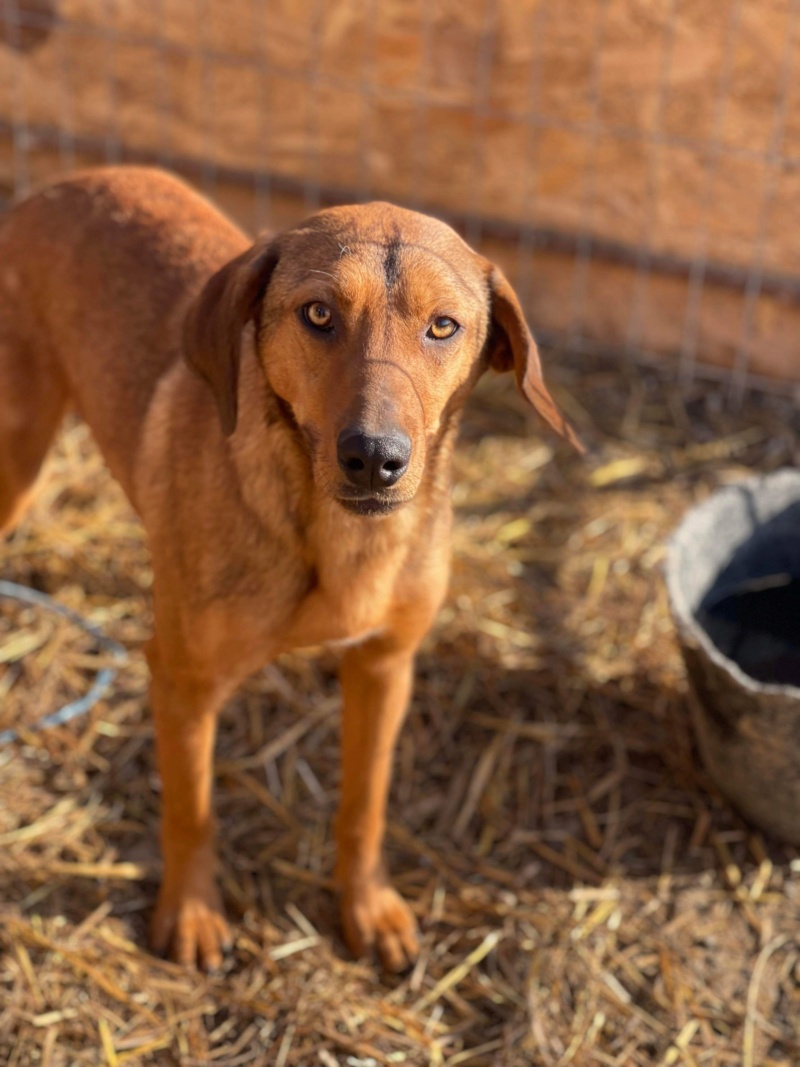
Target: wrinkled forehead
{"x": 368, "y": 250}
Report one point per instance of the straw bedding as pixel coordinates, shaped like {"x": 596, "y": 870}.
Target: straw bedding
{"x": 585, "y": 897}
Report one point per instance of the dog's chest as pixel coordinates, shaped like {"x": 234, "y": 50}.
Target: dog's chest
{"x": 356, "y": 639}
{"x": 343, "y": 608}
{"x": 336, "y": 622}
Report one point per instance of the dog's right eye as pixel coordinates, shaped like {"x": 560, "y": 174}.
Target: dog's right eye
{"x": 318, "y": 315}
{"x": 442, "y": 328}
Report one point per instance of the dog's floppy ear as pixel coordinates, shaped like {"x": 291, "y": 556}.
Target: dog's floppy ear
{"x": 212, "y": 331}
{"x": 512, "y": 347}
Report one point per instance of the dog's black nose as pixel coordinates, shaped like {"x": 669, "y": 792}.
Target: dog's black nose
{"x": 373, "y": 462}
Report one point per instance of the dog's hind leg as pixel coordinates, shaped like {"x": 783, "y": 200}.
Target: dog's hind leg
{"x": 32, "y": 401}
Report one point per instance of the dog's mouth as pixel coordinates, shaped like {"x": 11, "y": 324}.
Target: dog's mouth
{"x": 369, "y": 503}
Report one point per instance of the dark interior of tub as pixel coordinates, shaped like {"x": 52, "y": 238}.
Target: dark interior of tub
{"x": 752, "y": 610}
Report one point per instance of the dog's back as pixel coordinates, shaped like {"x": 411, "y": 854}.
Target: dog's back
{"x": 95, "y": 275}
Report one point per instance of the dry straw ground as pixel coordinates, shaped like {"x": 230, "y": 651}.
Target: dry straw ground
{"x": 585, "y": 897}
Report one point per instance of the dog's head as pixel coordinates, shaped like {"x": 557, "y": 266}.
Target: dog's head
{"x": 372, "y": 325}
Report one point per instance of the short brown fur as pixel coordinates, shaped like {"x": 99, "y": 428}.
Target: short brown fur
{"x": 127, "y": 296}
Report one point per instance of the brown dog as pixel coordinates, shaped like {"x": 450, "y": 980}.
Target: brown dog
{"x": 323, "y": 519}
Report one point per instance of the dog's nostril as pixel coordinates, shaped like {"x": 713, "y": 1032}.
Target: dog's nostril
{"x": 354, "y": 464}
{"x": 393, "y": 465}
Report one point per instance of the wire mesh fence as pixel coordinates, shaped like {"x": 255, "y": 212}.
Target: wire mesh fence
{"x": 633, "y": 164}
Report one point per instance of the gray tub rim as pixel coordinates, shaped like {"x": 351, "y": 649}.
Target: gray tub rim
{"x": 679, "y": 543}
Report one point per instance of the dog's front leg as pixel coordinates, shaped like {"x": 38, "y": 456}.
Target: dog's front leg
{"x": 376, "y": 682}
{"x": 188, "y": 922}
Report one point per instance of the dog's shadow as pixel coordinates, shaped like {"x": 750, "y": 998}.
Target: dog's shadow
{"x": 508, "y": 779}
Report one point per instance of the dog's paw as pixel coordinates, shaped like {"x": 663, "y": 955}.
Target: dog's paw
{"x": 375, "y": 916}
{"x": 190, "y": 929}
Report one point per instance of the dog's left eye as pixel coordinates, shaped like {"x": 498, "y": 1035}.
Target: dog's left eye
{"x": 442, "y": 328}
{"x": 318, "y": 315}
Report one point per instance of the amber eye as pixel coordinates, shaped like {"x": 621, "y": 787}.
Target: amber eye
{"x": 318, "y": 315}
{"x": 442, "y": 328}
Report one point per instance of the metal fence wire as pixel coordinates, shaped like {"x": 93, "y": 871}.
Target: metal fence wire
{"x": 634, "y": 165}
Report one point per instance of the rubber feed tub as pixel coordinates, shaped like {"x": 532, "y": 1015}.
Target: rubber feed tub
{"x": 733, "y": 574}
